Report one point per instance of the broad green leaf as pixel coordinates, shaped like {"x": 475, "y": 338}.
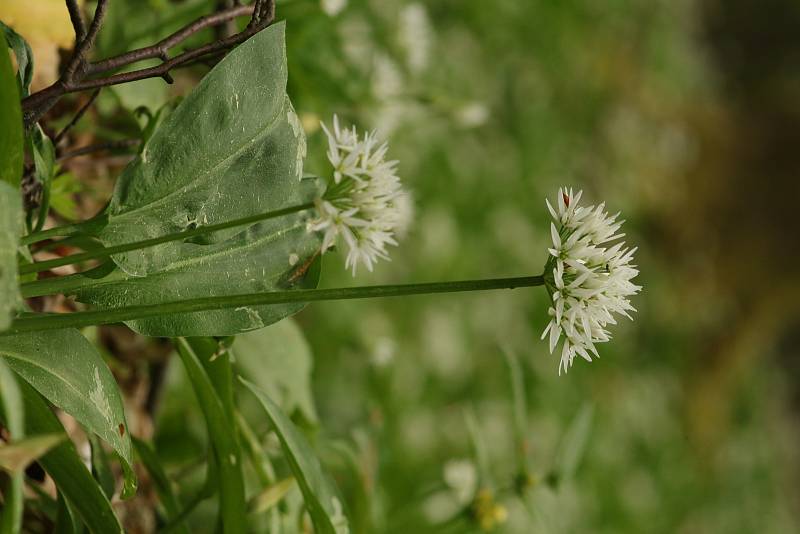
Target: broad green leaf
{"x": 161, "y": 482}
{"x": 12, "y": 412}
{"x": 278, "y": 360}
{"x": 321, "y": 500}
{"x": 11, "y": 137}
{"x": 234, "y": 147}
{"x": 22, "y": 51}
{"x": 101, "y": 466}
{"x": 257, "y": 260}
{"x": 10, "y": 228}
{"x": 17, "y": 455}
{"x": 222, "y": 433}
{"x": 67, "y": 370}
{"x": 63, "y": 464}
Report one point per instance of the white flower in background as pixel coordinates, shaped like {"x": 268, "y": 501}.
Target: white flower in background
{"x": 462, "y": 477}
{"x": 333, "y": 7}
{"x": 472, "y": 115}
{"x": 338, "y": 518}
{"x": 588, "y": 278}
{"x": 415, "y": 36}
{"x": 364, "y": 204}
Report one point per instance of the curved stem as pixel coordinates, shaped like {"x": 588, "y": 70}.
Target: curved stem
{"x": 59, "y": 231}
{"x": 145, "y": 243}
{"x": 36, "y": 322}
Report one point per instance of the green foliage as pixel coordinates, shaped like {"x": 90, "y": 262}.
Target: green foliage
{"x": 11, "y": 154}
{"x": 66, "y": 468}
{"x": 24, "y": 56}
{"x": 216, "y": 406}
{"x": 10, "y": 228}
{"x": 67, "y": 370}
{"x": 319, "y": 494}
{"x": 278, "y": 360}
{"x": 12, "y": 414}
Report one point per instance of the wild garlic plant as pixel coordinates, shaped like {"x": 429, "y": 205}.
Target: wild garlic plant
{"x": 215, "y": 230}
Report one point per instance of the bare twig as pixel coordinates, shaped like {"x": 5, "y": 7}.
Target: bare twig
{"x": 35, "y": 105}
{"x": 76, "y": 118}
{"x": 90, "y": 149}
{"x": 77, "y": 21}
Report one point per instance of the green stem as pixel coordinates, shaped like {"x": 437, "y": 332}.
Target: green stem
{"x": 58, "y": 231}
{"x": 117, "y": 315}
{"x": 136, "y": 245}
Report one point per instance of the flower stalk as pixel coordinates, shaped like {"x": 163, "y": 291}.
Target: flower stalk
{"x": 178, "y": 236}
{"x": 38, "y": 322}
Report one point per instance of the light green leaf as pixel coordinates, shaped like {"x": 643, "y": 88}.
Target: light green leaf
{"x": 234, "y": 147}
{"x": 44, "y": 160}
{"x": 67, "y": 370}
{"x": 270, "y": 496}
{"x": 10, "y": 228}
{"x": 12, "y": 412}
{"x": 63, "y": 464}
{"x": 222, "y": 433}
{"x": 17, "y": 455}
{"x": 278, "y": 360}
{"x": 11, "y": 136}
{"x": 22, "y": 51}
{"x": 319, "y": 494}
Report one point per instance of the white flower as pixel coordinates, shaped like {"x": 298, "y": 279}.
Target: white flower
{"x": 365, "y": 204}
{"x": 588, "y": 278}
{"x": 338, "y": 518}
{"x": 415, "y": 36}
{"x": 333, "y": 7}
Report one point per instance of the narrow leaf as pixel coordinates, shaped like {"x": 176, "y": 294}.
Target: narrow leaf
{"x": 67, "y": 370}
{"x": 11, "y": 136}
{"x": 10, "y": 228}
{"x": 22, "y": 51}
{"x": 17, "y": 455}
{"x": 222, "y": 433}
{"x": 162, "y": 484}
{"x": 319, "y": 494}
{"x": 63, "y": 464}
{"x": 12, "y": 412}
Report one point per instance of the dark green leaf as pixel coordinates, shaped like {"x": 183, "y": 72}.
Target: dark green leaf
{"x": 234, "y": 147}
{"x": 278, "y": 360}
{"x": 319, "y": 494}
{"x": 10, "y": 228}
{"x": 67, "y": 370}
{"x": 257, "y": 260}
{"x": 222, "y": 433}
{"x": 12, "y": 412}
{"x": 22, "y": 51}
{"x": 101, "y": 466}
{"x": 11, "y": 137}
{"x": 66, "y": 468}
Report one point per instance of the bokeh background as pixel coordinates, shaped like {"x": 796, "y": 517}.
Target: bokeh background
{"x": 684, "y": 115}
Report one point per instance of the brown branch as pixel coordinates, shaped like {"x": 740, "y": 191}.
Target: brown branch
{"x": 35, "y": 105}
{"x": 77, "y": 20}
{"x": 76, "y": 118}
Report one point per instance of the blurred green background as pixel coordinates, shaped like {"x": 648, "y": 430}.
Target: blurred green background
{"x": 685, "y": 116}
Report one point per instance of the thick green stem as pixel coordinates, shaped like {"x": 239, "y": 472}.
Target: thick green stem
{"x": 117, "y": 315}
{"x": 136, "y": 245}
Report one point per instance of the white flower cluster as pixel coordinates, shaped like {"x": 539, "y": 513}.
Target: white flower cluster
{"x": 588, "y": 278}
{"x": 366, "y": 203}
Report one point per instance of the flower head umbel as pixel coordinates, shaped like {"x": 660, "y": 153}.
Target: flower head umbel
{"x": 365, "y": 204}
{"x": 588, "y": 277}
